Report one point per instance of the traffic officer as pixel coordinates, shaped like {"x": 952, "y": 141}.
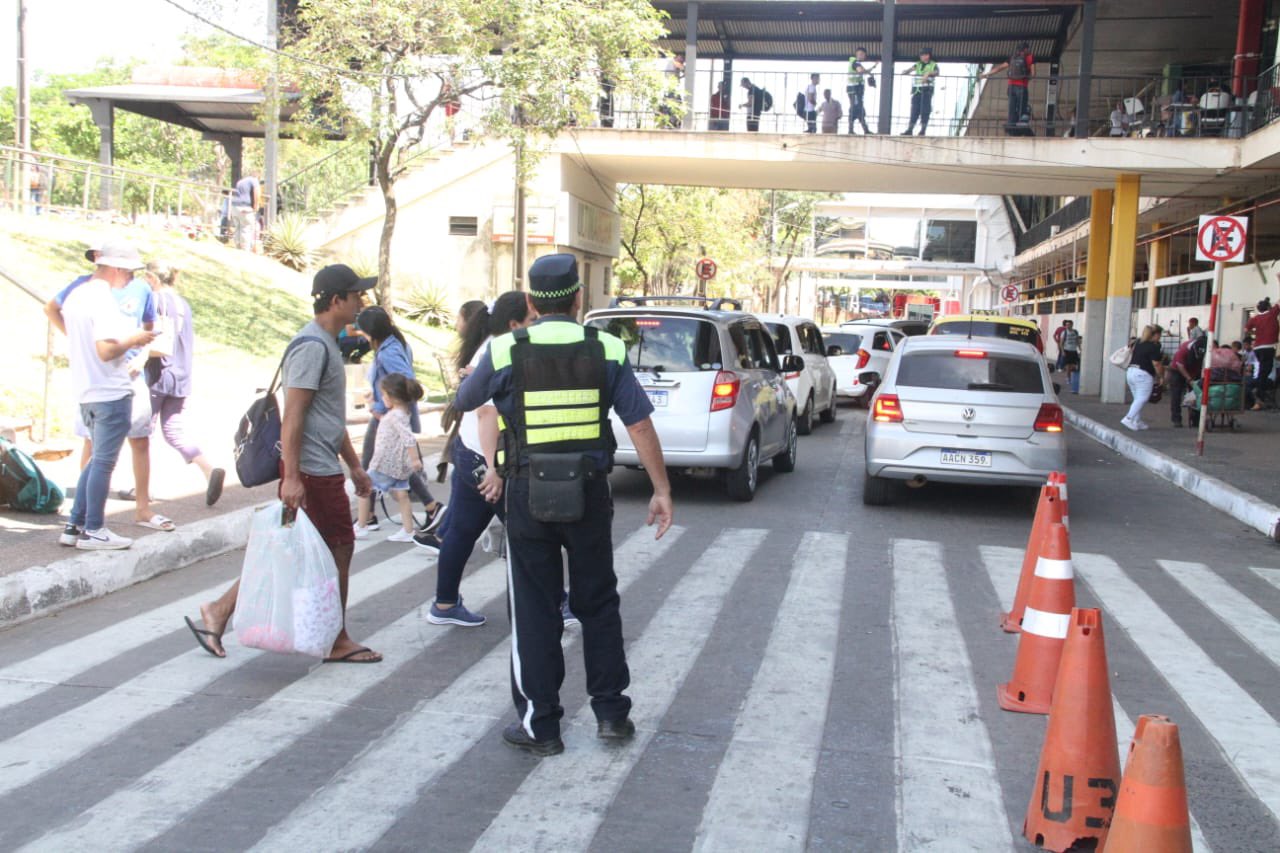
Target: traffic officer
{"x": 859, "y": 77}
{"x": 922, "y": 74}
{"x": 553, "y": 385}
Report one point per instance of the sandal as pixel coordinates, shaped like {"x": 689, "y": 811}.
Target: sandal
{"x": 158, "y": 522}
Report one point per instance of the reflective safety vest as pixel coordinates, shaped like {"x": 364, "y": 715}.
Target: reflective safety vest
{"x": 560, "y": 389}
{"x": 855, "y": 76}
{"x": 917, "y": 75}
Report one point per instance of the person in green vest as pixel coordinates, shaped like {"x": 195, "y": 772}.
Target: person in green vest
{"x": 860, "y": 77}
{"x": 922, "y": 74}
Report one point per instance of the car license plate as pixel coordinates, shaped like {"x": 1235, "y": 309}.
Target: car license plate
{"x": 969, "y": 458}
{"x": 658, "y": 398}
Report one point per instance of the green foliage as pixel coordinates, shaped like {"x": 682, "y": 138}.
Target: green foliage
{"x": 429, "y": 304}
{"x": 289, "y": 242}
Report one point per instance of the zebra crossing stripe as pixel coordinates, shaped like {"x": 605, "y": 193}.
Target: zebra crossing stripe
{"x": 1247, "y": 734}
{"x": 1271, "y": 576}
{"x": 773, "y": 754}
{"x": 388, "y": 777}
{"x": 163, "y": 797}
{"x": 660, "y": 660}
{"x": 33, "y": 676}
{"x": 56, "y": 741}
{"x": 1241, "y": 614}
{"x": 948, "y": 795}
{"x": 1003, "y": 566}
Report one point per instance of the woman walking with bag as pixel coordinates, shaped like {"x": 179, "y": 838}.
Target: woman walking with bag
{"x": 1146, "y": 366}
{"x": 391, "y": 355}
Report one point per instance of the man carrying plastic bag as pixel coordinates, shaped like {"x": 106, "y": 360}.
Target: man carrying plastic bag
{"x": 313, "y": 436}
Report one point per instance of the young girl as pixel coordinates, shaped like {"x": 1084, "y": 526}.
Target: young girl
{"x": 395, "y": 450}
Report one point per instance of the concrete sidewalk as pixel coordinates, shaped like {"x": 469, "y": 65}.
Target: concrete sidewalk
{"x": 1239, "y": 472}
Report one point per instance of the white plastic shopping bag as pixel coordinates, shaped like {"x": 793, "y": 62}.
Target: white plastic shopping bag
{"x": 289, "y": 599}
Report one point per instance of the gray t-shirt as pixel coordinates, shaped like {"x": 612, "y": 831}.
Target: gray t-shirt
{"x": 326, "y": 421}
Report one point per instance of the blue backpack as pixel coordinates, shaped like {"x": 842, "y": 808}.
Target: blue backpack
{"x": 23, "y": 486}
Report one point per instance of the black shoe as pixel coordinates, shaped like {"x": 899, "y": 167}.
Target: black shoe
{"x": 1177, "y": 424}
{"x": 907, "y": 132}
{"x": 515, "y": 735}
{"x": 428, "y": 542}
{"x": 622, "y": 729}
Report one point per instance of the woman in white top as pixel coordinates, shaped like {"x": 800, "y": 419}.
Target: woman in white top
{"x": 477, "y": 487}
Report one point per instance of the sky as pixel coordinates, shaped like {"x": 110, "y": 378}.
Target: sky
{"x": 66, "y": 36}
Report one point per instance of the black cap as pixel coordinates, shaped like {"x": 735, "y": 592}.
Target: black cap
{"x": 927, "y": 50}
{"x": 554, "y": 276}
{"x": 339, "y": 278}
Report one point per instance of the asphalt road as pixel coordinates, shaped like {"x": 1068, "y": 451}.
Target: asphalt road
{"x": 807, "y": 673}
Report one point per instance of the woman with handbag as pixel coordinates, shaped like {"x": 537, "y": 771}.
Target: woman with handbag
{"x": 1146, "y": 367}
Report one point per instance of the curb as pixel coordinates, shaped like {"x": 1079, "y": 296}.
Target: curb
{"x": 1242, "y": 506}
{"x": 42, "y": 590}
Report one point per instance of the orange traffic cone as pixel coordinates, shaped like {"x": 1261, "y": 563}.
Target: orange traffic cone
{"x": 1059, "y": 479}
{"x": 1079, "y": 772}
{"x": 1151, "y": 808}
{"x": 1044, "y": 628}
{"x": 1048, "y": 511}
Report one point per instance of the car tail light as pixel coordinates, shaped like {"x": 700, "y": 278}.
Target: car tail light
{"x": 863, "y": 358}
{"x": 888, "y": 410}
{"x": 970, "y": 353}
{"x": 724, "y": 394}
{"x": 1049, "y": 418}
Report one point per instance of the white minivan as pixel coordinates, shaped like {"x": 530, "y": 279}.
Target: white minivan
{"x": 815, "y": 386}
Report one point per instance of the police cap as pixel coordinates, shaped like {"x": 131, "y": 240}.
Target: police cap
{"x": 554, "y": 276}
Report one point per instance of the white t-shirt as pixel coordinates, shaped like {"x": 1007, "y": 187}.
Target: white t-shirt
{"x": 91, "y": 315}
{"x": 469, "y": 426}
{"x": 811, "y": 97}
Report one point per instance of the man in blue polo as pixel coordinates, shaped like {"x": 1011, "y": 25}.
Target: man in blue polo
{"x": 553, "y": 385}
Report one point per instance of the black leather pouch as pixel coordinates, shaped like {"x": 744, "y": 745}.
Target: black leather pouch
{"x": 557, "y": 486}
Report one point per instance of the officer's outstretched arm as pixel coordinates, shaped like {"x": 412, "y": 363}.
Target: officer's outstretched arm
{"x": 645, "y": 439}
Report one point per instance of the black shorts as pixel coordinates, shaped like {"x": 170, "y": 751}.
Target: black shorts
{"x": 1071, "y": 358}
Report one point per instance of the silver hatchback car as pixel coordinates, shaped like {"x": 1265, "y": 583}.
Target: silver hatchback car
{"x": 719, "y": 393}
{"x": 963, "y": 410}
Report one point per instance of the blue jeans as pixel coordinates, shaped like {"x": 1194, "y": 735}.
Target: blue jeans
{"x": 469, "y": 515}
{"x": 108, "y": 424}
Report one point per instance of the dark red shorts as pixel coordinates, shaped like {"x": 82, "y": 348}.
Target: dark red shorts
{"x": 329, "y": 509}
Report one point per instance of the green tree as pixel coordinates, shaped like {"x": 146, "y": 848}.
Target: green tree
{"x": 379, "y": 69}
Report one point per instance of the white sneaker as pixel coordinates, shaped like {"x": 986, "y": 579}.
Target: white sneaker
{"x": 362, "y": 530}
{"x": 1128, "y": 424}
{"x": 1143, "y": 425}
{"x": 102, "y": 539}
{"x": 400, "y": 536}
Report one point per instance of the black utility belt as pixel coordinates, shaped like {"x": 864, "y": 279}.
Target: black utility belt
{"x": 588, "y": 472}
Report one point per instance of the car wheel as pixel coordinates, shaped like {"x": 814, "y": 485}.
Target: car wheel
{"x": 806, "y": 420}
{"x": 741, "y": 481}
{"x": 785, "y": 462}
{"x": 877, "y": 491}
{"x": 829, "y": 416}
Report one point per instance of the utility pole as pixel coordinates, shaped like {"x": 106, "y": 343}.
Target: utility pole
{"x": 23, "y": 117}
{"x": 271, "y": 142}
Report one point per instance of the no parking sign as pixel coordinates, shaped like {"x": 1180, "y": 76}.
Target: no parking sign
{"x": 1221, "y": 239}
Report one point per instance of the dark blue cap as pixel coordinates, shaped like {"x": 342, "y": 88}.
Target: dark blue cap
{"x": 554, "y": 276}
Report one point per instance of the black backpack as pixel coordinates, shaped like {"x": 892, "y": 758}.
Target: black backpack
{"x": 258, "y": 436}
{"x": 1018, "y": 67}
{"x": 23, "y": 486}
{"x": 801, "y": 102}
{"x": 766, "y": 100}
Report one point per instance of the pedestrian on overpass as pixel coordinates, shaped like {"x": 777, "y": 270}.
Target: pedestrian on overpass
{"x": 757, "y": 102}
{"x": 922, "y": 74}
{"x": 811, "y": 105}
{"x": 831, "y": 112}
{"x": 1021, "y": 67}
{"x": 553, "y": 385}
{"x": 860, "y": 77}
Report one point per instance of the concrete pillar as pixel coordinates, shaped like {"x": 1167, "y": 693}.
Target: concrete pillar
{"x": 104, "y": 117}
{"x": 888, "y": 48}
{"x": 690, "y": 61}
{"x": 1124, "y": 240}
{"x": 233, "y": 145}
{"x": 1157, "y": 267}
{"x": 1085, "y": 81}
{"x": 1092, "y": 327}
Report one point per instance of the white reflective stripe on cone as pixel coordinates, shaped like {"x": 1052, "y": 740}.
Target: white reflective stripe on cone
{"x": 1042, "y": 624}
{"x": 1054, "y": 570}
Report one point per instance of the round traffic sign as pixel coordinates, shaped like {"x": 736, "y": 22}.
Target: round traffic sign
{"x": 1009, "y": 293}
{"x": 1220, "y": 238}
{"x": 706, "y": 269}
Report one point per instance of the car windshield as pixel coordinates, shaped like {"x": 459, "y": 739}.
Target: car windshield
{"x": 656, "y": 343}
{"x": 950, "y": 372}
{"x": 988, "y": 329}
{"x": 847, "y": 341}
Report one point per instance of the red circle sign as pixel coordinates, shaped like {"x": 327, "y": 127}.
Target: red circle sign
{"x": 1009, "y": 293}
{"x": 1221, "y": 238}
{"x": 706, "y": 269}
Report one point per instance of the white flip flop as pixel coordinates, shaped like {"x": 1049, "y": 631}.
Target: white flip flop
{"x": 158, "y": 522}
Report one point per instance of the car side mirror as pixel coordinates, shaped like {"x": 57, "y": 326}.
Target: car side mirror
{"x": 834, "y": 350}
{"x": 792, "y": 364}
{"x": 869, "y": 377}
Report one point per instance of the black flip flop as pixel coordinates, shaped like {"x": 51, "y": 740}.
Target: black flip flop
{"x": 214, "y": 491}
{"x": 200, "y": 634}
{"x": 350, "y": 657}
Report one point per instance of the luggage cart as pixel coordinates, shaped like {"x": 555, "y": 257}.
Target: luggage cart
{"x": 1226, "y": 401}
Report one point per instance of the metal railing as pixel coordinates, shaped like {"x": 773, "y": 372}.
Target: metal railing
{"x": 40, "y": 183}
{"x": 318, "y": 187}
{"x": 1072, "y": 213}
{"x": 48, "y": 352}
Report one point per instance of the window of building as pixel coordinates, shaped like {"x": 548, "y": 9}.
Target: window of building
{"x": 1065, "y": 306}
{"x": 464, "y": 226}
{"x": 952, "y": 241}
{"x": 1183, "y": 294}
{"x": 1139, "y": 298}
{"x": 1044, "y": 308}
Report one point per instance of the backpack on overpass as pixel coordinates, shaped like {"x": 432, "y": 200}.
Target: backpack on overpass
{"x": 801, "y": 102}
{"x": 23, "y": 486}
{"x": 1018, "y": 67}
{"x": 766, "y": 101}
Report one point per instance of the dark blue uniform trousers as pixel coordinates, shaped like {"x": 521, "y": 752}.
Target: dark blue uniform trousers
{"x": 535, "y": 578}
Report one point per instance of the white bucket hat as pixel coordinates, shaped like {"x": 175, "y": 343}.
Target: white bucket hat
{"x": 117, "y": 253}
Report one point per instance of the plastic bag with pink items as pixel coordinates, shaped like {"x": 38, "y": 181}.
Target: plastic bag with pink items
{"x": 288, "y": 600}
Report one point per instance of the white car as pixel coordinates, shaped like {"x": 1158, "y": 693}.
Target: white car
{"x": 864, "y": 347}
{"x": 815, "y": 386}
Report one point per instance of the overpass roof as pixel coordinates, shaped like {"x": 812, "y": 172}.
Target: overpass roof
{"x": 827, "y": 30}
